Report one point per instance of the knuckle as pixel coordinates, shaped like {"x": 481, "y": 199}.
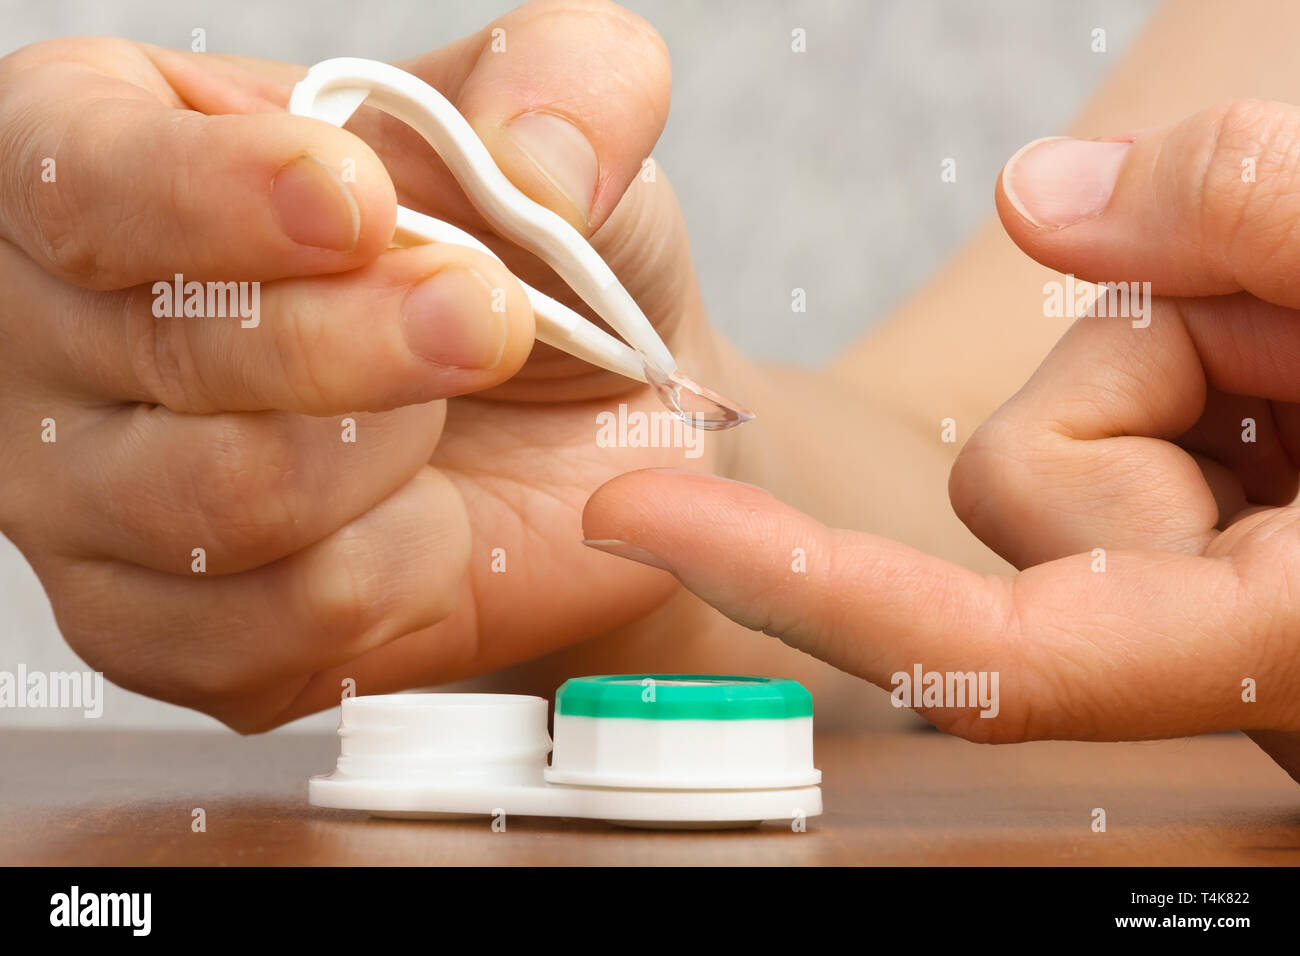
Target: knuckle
{"x": 63, "y": 246}
{"x": 78, "y": 230}
{"x": 980, "y": 479}
{"x": 349, "y": 599}
{"x": 160, "y": 356}
{"x": 53, "y": 231}
{"x": 965, "y": 481}
{"x": 297, "y": 351}
{"x": 363, "y": 590}
{"x": 53, "y": 210}
{"x": 439, "y": 601}
{"x": 70, "y": 221}
{"x": 244, "y": 489}
{"x": 96, "y": 609}
{"x": 87, "y": 600}
{"x": 1245, "y": 216}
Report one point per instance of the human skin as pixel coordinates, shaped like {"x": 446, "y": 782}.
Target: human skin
{"x": 1158, "y": 548}
{"x": 325, "y": 560}
{"x": 389, "y": 582}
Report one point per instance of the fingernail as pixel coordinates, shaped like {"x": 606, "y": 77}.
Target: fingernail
{"x": 561, "y": 154}
{"x": 313, "y": 207}
{"x": 453, "y": 319}
{"x": 632, "y": 552}
{"x": 1059, "y": 182}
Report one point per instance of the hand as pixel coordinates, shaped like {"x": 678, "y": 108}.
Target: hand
{"x": 323, "y": 559}
{"x": 1160, "y": 550}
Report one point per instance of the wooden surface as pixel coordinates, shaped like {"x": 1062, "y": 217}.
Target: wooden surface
{"x": 895, "y": 798}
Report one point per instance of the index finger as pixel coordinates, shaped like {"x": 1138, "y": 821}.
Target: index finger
{"x": 1156, "y": 644}
{"x": 117, "y": 183}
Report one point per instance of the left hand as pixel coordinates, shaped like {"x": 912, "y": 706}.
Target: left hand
{"x": 474, "y": 562}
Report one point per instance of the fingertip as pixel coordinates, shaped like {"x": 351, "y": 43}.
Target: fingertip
{"x": 328, "y": 193}
{"x": 266, "y": 196}
{"x": 1014, "y": 219}
{"x": 468, "y": 317}
{"x": 140, "y": 189}
{"x": 1011, "y": 206}
{"x": 417, "y": 325}
{"x": 1074, "y": 204}
{"x": 511, "y": 301}
{"x": 505, "y": 310}
{"x": 605, "y": 516}
{"x": 668, "y": 508}
{"x": 570, "y": 99}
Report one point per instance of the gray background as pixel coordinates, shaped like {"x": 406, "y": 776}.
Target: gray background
{"x": 817, "y": 170}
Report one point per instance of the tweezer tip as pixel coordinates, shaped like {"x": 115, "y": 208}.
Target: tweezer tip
{"x": 718, "y": 414}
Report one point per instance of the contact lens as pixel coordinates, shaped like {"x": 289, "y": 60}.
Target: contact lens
{"x": 697, "y": 405}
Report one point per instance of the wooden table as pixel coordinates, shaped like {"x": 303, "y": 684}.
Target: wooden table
{"x": 892, "y": 798}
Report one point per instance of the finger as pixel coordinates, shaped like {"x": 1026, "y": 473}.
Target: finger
{"x": 224, "y": 82}
{"x": 568, "y": 97}
{"x": 1083, "y": 456}
{"x": 558, "y": 68}
{"x": 1204, "y": 207}
{"x": 412, "y": 326}
{"x": 1086, "y": 454}
{"x": 1136, "y": 651}
{"x": 115, "y": 187}
{"x": 1242, "y": 433}
{"x": 645, "y": 243}
{"x": 146, "y": 486}
{"x": 208, "y": 642}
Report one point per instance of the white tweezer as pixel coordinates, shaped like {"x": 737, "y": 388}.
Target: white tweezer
{"x": 334, "y": 89}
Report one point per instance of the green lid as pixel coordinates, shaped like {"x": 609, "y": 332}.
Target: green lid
{"x": 683, "y": 697}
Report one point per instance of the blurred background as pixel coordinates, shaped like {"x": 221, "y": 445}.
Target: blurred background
{"x": 818, "y": 170}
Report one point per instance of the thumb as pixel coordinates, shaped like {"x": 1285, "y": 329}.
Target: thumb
{"x": 569, "y": 99}
{"x": 1204, "y": 207}
{"x": 1078, "y": 654}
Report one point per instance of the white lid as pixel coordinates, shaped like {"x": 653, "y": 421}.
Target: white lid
{"x": 453, "y": 739}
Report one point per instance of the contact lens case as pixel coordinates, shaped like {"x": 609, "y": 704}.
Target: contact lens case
{"x": 649, "y": 750}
